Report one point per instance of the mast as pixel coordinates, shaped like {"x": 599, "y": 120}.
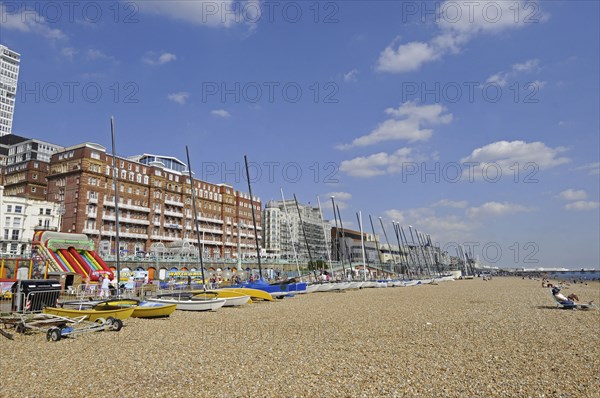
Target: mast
{"x": 401, "y": 251}
{"x": 388, "y": 243}
{"x": 347, "y": 251}
{"x": 376, "y": 243}
{"x": 305, "y": 238}
{"x": 327, "y": 248}
{"x": 196, "y": 227}
{"x": 116, "y": 187}
{"x": 253, "y": 219}
{"x": 337, "y": 234}
{"x": 287, "y": 221}
{"x": 422, "y": 249}
{"x": 410, "y": 252}
{"x": 362, "y": 243}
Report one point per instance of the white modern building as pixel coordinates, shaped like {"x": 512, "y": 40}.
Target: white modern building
{"x": 9, "y": 76}
{"x": 19, "y": 217}
{"x": 283, "y": 231}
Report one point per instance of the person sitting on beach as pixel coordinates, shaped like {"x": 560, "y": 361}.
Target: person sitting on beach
{"x": 572, "y": 299}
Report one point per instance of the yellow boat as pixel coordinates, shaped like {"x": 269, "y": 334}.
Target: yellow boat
{"x": 144, "y": 309}
{"x": 255, "y": 294}
{"x": 92, "y": 314}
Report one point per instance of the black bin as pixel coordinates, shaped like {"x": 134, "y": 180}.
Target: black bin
{"x": 32, "y": 295}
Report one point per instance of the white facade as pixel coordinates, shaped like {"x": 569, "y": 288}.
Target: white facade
{"x": 19, "y": 217}
{"x": 277, "y": 238}
{"x": 9, "y": 76}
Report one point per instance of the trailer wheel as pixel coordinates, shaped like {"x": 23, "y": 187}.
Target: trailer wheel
{"x": 115, "y": 324}
{"x": 53, "y": 334}
{"x": 101, "y": 321}
{"x": 20, "y": 328}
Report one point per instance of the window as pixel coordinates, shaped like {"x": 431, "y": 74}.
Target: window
{"x": 15, "y": 234}
{"x": 48, "y": 212}
{"x": 34, "y": 176}
{"x": 8, "y": 208}
{"x": 41, "y": 211}
{"x": 19, "y": 209}
{"x": 6, "y": 234}
{"x": 33, "y": 189}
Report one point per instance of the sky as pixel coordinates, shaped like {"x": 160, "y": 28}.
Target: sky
{"x": 474, "y": 122}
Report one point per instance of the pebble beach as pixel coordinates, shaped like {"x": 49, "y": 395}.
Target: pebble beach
{"x": 467, "y": 338}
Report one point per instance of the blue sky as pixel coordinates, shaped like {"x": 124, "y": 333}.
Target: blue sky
{"x": 405, "y": 110}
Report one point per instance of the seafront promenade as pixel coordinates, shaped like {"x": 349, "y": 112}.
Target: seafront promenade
{"x": 502, "y": 337}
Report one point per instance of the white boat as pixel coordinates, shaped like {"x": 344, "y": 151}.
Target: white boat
{"x": 312, "y": 288}
{"x": 355, "y": 285}
{"x": 325, "y": 287}
{"x": 235, "y": 301}
{"x": 381, "y": 284}
{"x": 342, "y": 285}
{"x": 369, "y": 284}
{"x": 409, "y": 283}
{"x": 186, "y": 304}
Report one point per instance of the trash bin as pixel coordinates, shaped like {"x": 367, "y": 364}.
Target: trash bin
{"x": 32, "y": 295}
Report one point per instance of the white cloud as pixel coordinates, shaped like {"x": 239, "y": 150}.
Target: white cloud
{"x": 407, "y": 57}
{"x": 527, "y": 66}
{"x": 408, "y": 123}
{"x": 68, "y": 52}
{"x": 494, "y": 209}
{"x": 225, "y": 13}
{"x": 572, "y": 194}
{"x": 502, "y": 78}
{"x": 220, "y": 112}
{"x": 95, "y": 55}
{"x": 351, "y": 76}
{"x": 377, "y": 164}
{"x": 459, "y": 23}
{"x": 591, "y": 168}
{"x": 180, "y": 97}
{"x": 451, "y": 203}
{"x": 340, "y": 199}
{"x": 152, "y": 58}
{"x": 582, "y": 205}
{"x": 448, "y": 228}
{"x": 504, "y": 155}
{"x": 345, "y": 196}
{"x": 27, "y": 22}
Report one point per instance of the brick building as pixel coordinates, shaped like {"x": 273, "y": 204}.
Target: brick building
{"x": 24, "y": 166}
{"x": 154, "y": 203}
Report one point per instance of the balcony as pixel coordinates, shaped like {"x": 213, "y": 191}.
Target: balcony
{"x": 133, "y": 235}
{"x": 109, "y": 203}
{"x": 108, "y": 217}
{"x": 90, "y": 231}
{"x": 91, "y": 215}
{"x": 173, "y": 226}
{"x": 211, "y": 230}
{"x": 92, "y": 200}
{"x": 173, "y": 214}
{"x": 134, "y": 221}
{"x": 174, "y": 203}
{"x": 213, "y": 220}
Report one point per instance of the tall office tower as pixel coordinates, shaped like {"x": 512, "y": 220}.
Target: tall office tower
{"x": 9, "y": 75}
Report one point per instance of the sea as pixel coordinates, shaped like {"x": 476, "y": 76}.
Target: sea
{"x": 588, "y": 275}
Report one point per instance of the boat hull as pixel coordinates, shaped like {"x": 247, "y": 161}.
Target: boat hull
{"x": 144, "y": 309}
{"x": 255, "y": 294}
{"x": 91, "y": 314}
{"x": 192, "y": 305}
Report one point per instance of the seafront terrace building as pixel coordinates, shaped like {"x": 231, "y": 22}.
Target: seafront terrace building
{"x": 155, "y": 205}
{"x": 19, "y": 218}
{"x": 24, "y": 166}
